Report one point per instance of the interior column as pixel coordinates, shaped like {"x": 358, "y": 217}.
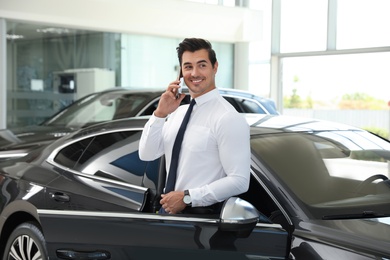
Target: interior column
{"x": 241, "y": 65}
{"x": 3, "y": 72}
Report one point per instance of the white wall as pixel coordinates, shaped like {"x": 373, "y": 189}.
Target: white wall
{"x": 168, "y": 18}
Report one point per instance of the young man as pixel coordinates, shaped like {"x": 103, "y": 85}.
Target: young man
{"x": 214, "y": 161}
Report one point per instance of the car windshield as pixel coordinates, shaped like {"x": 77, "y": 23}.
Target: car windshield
{"x": 99, "y": 107}
{"x": 333, "y": 173}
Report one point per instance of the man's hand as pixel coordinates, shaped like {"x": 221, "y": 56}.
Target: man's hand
{"x": 173, "y": 202}
{"x": 168, "y": 101}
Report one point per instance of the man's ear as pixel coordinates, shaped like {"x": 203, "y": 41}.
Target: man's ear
{"x": 215, "y": 67}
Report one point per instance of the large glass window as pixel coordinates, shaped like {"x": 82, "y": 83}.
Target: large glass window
{"x": 49, "y": 67}
{"x": 260, "y": 52}
{"x": 351, "y": 88}
{"x": 259, "y": 79}
{"x": 303, "y": 25}
{"x": 362, "y": 23}
{"x": 326, "y": 79}
{"x": 347, "y": 88}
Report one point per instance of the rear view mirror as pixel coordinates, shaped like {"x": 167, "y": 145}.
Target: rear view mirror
{"x": 238, "y": 216}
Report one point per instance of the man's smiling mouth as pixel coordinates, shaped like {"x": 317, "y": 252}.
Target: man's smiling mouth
{"x": 196, "y": 81}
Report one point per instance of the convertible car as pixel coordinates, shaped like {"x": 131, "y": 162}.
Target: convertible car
{"x": 318, "y": 190}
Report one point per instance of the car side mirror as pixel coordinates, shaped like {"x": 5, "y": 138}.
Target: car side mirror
{"x": 238, "y": 216}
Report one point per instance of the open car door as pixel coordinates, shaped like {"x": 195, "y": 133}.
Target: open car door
{"x": 239, "y": 232}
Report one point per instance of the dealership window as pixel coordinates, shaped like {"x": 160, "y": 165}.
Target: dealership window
{"x": 48, "y": 67}
{"x": 260, "y": 52}
{"x": 303, "y": 25}
{"x": 332, "y": 62}
{"x": 326, "y": 79}
{"x": 350, "y": 88}
{"x": 364, "y": 25}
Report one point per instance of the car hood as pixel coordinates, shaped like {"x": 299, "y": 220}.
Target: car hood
{"x": 369, "y": 235}
{"x": 30, "y": 136}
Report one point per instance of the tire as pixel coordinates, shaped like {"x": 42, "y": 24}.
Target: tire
{"x": 18, "y": 243}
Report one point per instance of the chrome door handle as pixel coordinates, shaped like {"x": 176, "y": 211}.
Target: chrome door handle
{"x": 60, "y": 197}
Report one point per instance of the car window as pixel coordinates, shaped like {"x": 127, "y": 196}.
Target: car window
{"x": 113, "y": 156}
{"x": 128, "y": 105}
{"x": 149, "y": 109}
{"x": 99, "y": 108}
{"x": 330, "y": 171}
{"x": 251, "y": 107}
{"x": 245, "y": 105}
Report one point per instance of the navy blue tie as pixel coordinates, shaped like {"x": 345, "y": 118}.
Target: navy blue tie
{"x": 170, "y": 186}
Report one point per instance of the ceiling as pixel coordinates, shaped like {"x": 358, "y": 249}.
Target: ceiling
{"x": 169, "y": 18}
{"x": 27, "y": 31}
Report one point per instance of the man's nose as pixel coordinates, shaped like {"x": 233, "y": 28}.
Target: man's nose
{"x": 194, "y": 72}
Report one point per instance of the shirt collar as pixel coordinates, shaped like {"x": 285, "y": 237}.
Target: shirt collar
{"x": 207, "y": 97}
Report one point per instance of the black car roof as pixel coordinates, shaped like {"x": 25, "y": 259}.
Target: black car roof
{"x": 259, "y": 123}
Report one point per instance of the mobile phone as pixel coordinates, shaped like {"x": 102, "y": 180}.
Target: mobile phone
{"x": 181, "y": 84}
{"x": 179, "y": 90}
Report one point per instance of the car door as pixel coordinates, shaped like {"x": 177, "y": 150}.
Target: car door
{"x": 115, "y": 235}
{"x": 102, "y": 172}
{"x": 102, "y": 205}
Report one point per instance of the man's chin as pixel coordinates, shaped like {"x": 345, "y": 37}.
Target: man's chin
{"x": 196, "y": 91}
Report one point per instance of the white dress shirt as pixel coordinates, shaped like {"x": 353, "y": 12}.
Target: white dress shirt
{"x": 214, "y": 160}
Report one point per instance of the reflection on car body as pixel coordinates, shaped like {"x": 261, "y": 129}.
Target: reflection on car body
{"x": 302, "y": 203}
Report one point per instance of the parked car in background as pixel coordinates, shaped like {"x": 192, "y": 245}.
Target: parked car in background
{"x": 320, "y": 190}
{"x": 108, "y": 105}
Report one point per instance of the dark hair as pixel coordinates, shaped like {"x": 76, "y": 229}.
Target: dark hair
{"x": 196, "y": 44}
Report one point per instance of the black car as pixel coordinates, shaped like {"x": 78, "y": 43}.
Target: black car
{"x": 107, "y": 105}
{"x": 318, "y": 190}
{"x": 96, "y": 175}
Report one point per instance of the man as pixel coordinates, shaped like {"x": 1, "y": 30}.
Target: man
{"x": 214, "y": 161}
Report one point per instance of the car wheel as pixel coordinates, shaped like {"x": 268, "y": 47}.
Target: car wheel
{"x": 26, "y": 242}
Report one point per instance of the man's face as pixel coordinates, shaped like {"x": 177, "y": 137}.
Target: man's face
{"x": 198, "y": 72}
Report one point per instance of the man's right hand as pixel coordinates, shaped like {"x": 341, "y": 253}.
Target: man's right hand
{"x": 172, "y": 202}
{"x": 168, "y": 101}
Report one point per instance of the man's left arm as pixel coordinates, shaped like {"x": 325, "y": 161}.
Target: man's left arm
{"x": 235, "y": 156}
{"x": 234, "y": 150}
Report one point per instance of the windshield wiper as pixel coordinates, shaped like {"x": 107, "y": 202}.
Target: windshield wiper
{"x": 364, "y": 214}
